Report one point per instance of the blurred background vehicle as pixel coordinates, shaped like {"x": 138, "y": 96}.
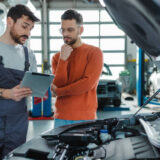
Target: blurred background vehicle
{"x": 154, "y": 82}
{"x": 109, "y": 89}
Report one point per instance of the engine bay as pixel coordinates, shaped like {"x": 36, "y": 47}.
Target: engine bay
{"x": 125, "y": 139}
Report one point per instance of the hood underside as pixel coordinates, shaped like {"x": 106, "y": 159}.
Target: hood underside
{"x": 140, "y": 20}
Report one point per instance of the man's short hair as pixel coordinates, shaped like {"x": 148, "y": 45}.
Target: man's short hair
{"x": 72, "y": 14}
{"x": 19, "y": 10}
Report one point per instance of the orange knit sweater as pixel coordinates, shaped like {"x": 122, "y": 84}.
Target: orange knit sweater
{"x": 77, "y": 79}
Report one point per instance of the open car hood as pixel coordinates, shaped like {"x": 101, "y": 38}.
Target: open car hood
{"x": 140, "y": 20}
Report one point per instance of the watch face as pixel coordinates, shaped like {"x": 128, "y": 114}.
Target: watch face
{"x": 139, "y": 19}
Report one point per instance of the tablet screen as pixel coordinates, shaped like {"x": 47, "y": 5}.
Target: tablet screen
{"x": 37, "y": 82}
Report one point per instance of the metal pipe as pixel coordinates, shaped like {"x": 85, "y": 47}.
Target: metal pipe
{"x": 45, "y": 34}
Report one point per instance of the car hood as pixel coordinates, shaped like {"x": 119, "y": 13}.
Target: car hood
{"x": 140, "y": 20}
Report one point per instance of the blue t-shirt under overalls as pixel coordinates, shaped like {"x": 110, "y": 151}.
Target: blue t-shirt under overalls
{"x": 13, "y": 115}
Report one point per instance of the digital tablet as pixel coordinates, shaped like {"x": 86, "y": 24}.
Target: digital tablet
{"x": 37, "y": 82}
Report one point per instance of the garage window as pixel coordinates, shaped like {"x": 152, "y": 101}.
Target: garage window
{"x": 99, "y": 30}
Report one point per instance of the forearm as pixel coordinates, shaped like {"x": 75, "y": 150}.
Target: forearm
{"x": 16, "y": 93}
{"x": 80, "y": 87}
{"x": 61, "y": 74}
{"x": 5, "y": 93}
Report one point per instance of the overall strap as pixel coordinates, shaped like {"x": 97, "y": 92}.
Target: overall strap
{"x": 26, "y": 63}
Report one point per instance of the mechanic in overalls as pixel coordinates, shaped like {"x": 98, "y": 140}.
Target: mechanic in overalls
{"x": 14, "y": 61}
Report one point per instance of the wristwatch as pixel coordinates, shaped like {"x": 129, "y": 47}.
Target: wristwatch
{"x": 1, "y": 92}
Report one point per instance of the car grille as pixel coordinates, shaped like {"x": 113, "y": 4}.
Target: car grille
{"x": 111, "y": 88}
{"x": 108, "y": 87}
{"x": 101, "y": 89}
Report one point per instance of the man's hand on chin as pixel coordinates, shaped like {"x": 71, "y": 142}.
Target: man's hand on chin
{"x": 65, "y": 52}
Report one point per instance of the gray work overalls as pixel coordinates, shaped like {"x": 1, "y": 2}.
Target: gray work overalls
{"x": 13, "y": 115}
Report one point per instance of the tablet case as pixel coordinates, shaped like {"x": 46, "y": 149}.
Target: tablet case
{"x": 37, "y": 82}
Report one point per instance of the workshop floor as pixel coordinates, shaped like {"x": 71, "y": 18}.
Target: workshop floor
{"x": 37, "y": 127}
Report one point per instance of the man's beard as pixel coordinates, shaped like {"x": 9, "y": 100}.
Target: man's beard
{"x": 16, "y": 37}
{"x": 73, "y": 41}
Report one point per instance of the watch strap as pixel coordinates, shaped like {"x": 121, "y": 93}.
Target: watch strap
{"x": 1, "y": 92}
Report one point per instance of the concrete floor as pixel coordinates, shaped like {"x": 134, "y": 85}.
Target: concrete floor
{"x": 37, "y": 127}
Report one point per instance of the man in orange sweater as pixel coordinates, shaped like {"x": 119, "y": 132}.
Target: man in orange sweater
{"x": 77, "y": 68}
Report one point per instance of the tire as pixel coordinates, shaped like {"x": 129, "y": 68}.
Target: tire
{"x": 117, "y": 102}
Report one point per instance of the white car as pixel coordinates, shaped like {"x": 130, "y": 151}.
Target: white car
{"x": 154, "y": 82}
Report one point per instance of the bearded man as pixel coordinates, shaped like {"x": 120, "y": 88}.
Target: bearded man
{"x": 77, "y": 68}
